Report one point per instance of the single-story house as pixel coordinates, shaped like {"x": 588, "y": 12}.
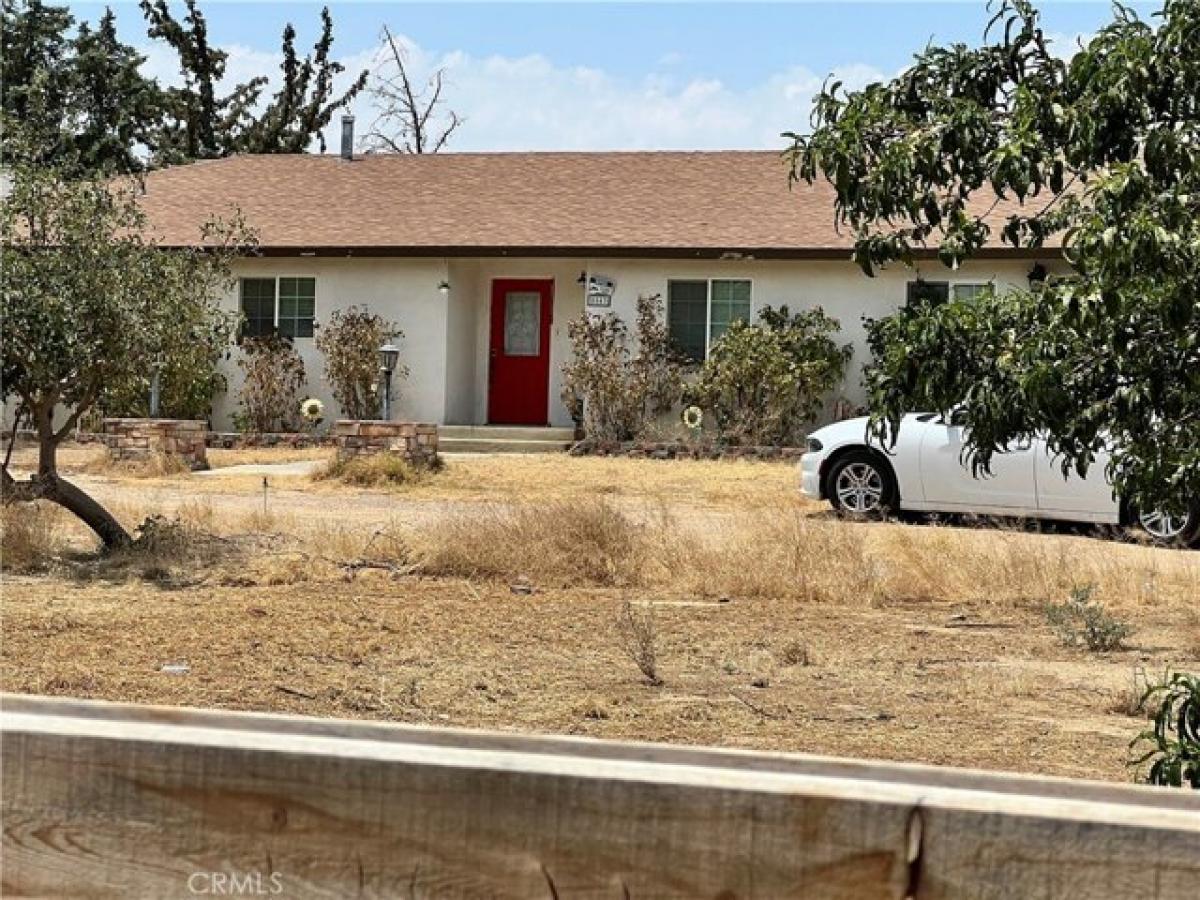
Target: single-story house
{"x": 483, "y": 259}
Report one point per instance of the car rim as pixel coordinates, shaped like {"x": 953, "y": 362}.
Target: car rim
{"x": 1163, "y": 525}
{"x": 859, "y": 488}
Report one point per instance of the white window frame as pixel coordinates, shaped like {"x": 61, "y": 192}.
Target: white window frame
{"x": 952, "y": 284}
{"x": 275, "y": 309}
{"x": 991, "y": 282}
{"x": 708, "y": 283}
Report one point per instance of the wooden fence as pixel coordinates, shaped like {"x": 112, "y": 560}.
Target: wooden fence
{"x": 113, "y": 800}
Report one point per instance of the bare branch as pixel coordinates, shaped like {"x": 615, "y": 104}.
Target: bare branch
{"x": 410, "y": 119}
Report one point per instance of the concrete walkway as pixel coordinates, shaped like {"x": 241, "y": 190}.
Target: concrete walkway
{"x": 301, "y": 467}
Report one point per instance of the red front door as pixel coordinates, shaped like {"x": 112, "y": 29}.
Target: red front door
{"x": 519, "y": 369}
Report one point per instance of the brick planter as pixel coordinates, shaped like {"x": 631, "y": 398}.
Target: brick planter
{"x": 138, "y": 440}
{"x": 414, "y": 442}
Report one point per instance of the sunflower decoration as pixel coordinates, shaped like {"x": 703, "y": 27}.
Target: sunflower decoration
{"x": 312, "y": 410}
{"x": 693, "y": 418}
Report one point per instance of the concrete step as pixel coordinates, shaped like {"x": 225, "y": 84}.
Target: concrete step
{"x": 505, "y": 433}
{"x": 499, "y": 445}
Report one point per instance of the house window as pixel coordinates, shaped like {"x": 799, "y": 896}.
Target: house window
{"x": 291, "y": 317}
{"x": 935, "y": 292}
{"x": 966, "y": 291}
{"x": 700, "y": 311}
{"x": 297, "y": 306}
{"x": 258, "y": 306}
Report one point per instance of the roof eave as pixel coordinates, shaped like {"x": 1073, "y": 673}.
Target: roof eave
{"x": 619, "y": 252}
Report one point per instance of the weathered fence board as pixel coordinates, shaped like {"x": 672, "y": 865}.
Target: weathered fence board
{"x": 110, "y": 800}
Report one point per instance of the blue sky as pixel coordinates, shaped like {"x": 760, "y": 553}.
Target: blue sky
{"x": 618, "y": 76}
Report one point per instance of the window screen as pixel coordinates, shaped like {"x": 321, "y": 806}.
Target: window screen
{"x": 730, "y": 302}
{"x": 297, "y": 306}
{"x": 258, "y": 306}
{"x": 687, "y": 317}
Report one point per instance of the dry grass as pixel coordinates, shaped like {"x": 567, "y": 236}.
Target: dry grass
{"x": 589, "y": 542}
{"x": 29, "y": 536}
{"x": 374, "y": 471}
{"x": 246, "y": 456}
{"x": 156, "y": 465}
{"x": 773, "y": 625}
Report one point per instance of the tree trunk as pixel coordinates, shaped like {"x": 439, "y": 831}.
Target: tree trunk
{"x": 57, "y": 490}
{"x": 48, "y": 485}
{"x": 95, "y": 516}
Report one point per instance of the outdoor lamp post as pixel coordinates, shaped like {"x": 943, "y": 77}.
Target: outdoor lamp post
{"x": 389, "y": 355}
{"x": 155, "y": 387}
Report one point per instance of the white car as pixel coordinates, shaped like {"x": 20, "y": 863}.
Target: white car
{"x": 924, "y": 472}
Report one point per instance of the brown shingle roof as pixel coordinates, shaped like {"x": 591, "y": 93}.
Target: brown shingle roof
{"x": 678, "y": 204}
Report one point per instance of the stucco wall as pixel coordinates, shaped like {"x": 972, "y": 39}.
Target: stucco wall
{"x": 403, "y": 290}
{"x": 446, "y": 339}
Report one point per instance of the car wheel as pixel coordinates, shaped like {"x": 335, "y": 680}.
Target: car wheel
{"x": 1171, "y": 529}
{"x": 861, "y": 486}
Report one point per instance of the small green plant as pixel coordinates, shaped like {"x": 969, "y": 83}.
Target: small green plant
{"x": 1082, "y": 621}
{"x": 1174, "y": 740}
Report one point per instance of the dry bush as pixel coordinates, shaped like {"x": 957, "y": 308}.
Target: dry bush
{"x": 1128, "y": 701}
{"x": 584, "y": 542}
{"x": 374, "y": 470}
{"x": 795, "y": 653}
{"x": 156, "y": 465}
{"x": 639, "y": 640}
{"x": 28, "y": 538}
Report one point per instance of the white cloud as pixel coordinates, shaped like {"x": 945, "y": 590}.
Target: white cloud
{"x": 532, "y": 103}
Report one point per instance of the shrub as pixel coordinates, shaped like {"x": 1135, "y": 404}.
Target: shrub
{"x": 765, "y": 382}
{"x": 374, "y": 470}
{"x": 274, "y": 373}
{"x": 188, "y": 381}
{"x": 615, "y": 392}
{"x": 1174, "y": 739}
{"x": 349, "y": 341}
{"x": 1080, "y": 621}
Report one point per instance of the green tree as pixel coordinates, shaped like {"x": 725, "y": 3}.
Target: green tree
{"x": 37, "y": 78}
{"x": 1102, "y": 149}
{"x": 305, "y": 102}
{"x": 86, "y": 301}
{"x": 115, "y": 108}
{"x": 764, "y": 383}
{"x": 203, "y": 123}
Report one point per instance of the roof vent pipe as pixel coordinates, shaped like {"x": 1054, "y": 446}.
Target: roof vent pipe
{"x": 347, "y": 137}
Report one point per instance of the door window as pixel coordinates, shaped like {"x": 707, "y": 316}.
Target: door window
{"x": 522, "y": 323}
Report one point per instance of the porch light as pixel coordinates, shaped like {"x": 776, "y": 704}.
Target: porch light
{"x": 444, "y": 287}
{"x": 389, "y": 355}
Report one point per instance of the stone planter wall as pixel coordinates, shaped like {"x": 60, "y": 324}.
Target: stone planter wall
{"x": 138, "y": 440}
{"x": 415, "y": 442}
{"x": 682, "y": 450}
{"x": 236, "y": 440}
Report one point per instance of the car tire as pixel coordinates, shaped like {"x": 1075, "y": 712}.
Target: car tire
{"x": 1169, "y": 531}
{"x": 861, "y": 486}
